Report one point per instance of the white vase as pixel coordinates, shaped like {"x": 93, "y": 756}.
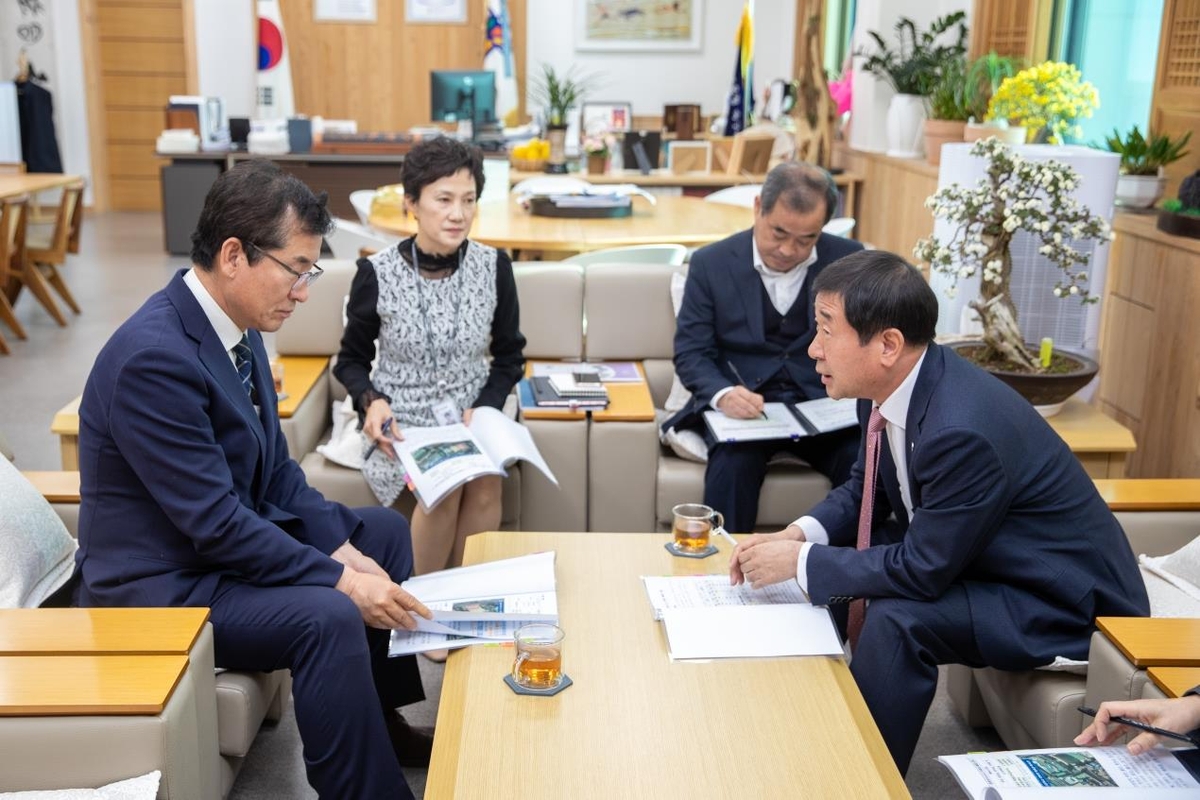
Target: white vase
{"x": 905, "y": 126}
{"x": 1140, "y": 191}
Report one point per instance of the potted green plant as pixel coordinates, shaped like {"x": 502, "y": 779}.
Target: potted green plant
{"x": 913, "y": 69}
{"x": 948, "y": 110}
{"x": 1142, "y": 181}
{"x": 1017, "y": 194}
{"x": 1181, "y": 216}
{"x": 558, "y": 92}
{"x": 984, "y": 76}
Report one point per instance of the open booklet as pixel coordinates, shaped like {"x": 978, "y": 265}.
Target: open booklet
{"x": 1083, "y": 773}
{"x": 479, "y": 604}
{"x": 440, "y": 459}
{"x": 783, "y": 421}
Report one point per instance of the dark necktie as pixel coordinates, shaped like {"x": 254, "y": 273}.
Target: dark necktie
{"x": 243, "y": 360}
{"x": 875, "y": 426}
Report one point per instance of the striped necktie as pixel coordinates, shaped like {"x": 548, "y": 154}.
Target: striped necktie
{"x": 243, "y": 360}
{"x": 875, "y": 426}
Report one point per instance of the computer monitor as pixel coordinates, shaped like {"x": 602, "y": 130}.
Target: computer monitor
{"x": 458, "y": 95}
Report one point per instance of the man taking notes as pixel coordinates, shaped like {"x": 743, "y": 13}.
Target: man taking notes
{"x": 983, "y": 541}
{"x": 743, "y": 331}
{"x": 189, "y": 497}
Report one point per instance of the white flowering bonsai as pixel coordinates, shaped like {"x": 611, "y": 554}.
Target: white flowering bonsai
{"x": 1017, "y": 194}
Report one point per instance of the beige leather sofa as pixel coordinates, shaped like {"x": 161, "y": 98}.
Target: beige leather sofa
{"x": 1038, "y": 708}
{"x": 551, "y": 300}
{"x": 198, "y": 742}
{"x": 633, "y": 480}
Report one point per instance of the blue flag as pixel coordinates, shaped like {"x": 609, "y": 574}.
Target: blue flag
{"x": 739, "y": 106}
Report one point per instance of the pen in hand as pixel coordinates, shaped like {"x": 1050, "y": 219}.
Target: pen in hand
{"x": 1142, "y": 726}
{"x": 386, "y": 430}
{"x": 738, "y": 377}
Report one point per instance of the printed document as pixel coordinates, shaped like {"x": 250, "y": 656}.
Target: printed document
{"x": 825, "y": 414}
{"x": 1083, "y": 773}
{"x": 778, "y": 423}
{"x": 698, "y": 591}
{"x": 442, "y": 458}
{"x": 757, "y": 631}
{"x": 479, "y": 604}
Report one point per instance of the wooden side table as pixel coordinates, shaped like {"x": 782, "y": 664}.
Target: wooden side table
{"x": 1175, "y": 681}
{"x": 1099, "y": 442}
{"x": 1154, "y": 641}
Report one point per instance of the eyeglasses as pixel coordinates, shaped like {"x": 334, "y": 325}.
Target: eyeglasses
{"x": 302, "y": 278}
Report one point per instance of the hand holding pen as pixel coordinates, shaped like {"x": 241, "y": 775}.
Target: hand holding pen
{"x": 740, "y": 400}
{"x": 385, "y": 438}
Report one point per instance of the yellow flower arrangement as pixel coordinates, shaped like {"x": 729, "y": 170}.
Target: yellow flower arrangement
{"x": 1047, "y": 99}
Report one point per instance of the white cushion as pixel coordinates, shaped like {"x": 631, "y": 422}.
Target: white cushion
{"x": 686, "y": 444}
{"x": 37, "y": 554}
{"x": 143, "y": 787}
{"x": 1181, "y": 568}
{"x": 346, "y": 444}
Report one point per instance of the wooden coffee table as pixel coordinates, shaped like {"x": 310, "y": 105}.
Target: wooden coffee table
{"x": 635, "y": 724}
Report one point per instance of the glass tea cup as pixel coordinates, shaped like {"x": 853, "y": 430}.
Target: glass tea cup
{"x": 538, "y": 664}
{"x": 693, "y": 526}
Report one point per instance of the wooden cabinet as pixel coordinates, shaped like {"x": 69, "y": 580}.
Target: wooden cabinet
{"x": 891, "y": 207}
{"x": 1150, "y": 346}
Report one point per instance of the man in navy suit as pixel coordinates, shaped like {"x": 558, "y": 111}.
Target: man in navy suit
{"x": 988, "y": 543}
{"x": 743, "y": 332}
{"x": 189, "y": 497}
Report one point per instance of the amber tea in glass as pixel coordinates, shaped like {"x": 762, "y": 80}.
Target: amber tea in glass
{"x": 693, "y": 525}
{"x": 539, "y": 656}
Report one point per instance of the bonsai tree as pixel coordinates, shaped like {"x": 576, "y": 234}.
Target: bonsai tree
{"x": 1144, "y": 155}
{"x": 558, "y": 92}
{"x": 916, "y": 64}
{"x": 1181, "y": 216}
{"x": 1017, "y": 194}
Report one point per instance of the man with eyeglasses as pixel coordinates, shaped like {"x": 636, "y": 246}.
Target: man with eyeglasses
{"x": 189, "y": 496}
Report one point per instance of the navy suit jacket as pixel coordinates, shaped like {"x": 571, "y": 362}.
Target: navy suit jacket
{"x": 721, "y": 320}
{"x": 182, "y": 482}
{"x": 1000, "y": 505}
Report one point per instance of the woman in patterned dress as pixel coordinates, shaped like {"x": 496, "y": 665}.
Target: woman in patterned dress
{"x": 436, "y": 306}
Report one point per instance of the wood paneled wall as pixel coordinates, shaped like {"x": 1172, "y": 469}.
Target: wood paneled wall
{"x": 379, "y": 74}
{"x": 137, "y": 56}
{"x": 1175, "y": 105}
{"x": 1019, "y": 28}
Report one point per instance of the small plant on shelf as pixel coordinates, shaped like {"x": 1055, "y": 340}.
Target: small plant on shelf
{"x": 1144, "y": 155}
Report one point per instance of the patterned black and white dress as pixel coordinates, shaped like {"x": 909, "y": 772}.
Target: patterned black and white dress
{"x": 435, "y": 336}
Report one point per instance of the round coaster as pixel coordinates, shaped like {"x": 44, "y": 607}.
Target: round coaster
{"x": 519, "y": 689}
{"x": 705, "y": 553}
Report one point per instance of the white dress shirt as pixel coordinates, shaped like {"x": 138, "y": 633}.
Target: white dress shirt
{"x": 782, "y": 287}
{"x": 227, "y": 330}
{"x": 894, "y": 411}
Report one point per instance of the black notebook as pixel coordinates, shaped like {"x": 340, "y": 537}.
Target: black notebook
{"x": 544, "y": 395}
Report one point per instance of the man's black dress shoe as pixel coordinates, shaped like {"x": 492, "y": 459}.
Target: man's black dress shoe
{"x": 413, "y": 744}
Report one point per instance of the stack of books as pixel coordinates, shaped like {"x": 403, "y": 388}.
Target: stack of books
{"x": 569, "y": 390}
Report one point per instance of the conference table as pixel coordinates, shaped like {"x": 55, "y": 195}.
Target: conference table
{"x": 636, "y": 724}
{"x": 688, "y": 221}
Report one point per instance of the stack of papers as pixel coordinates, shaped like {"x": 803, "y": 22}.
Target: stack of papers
{"x": 705, "y": 618}
{"x": 480, "y": 604}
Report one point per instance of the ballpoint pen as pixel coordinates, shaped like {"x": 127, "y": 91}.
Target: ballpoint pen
{"x": 386, "y": 431}
{"x": 738, "y": 376}
{"x": 720, "y": 531}
{"x": 1142, "y": 726}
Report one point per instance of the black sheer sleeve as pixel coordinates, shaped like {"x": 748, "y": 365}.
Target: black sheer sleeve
{"x": 354, "y": 359}
{"x": 508, "y": 345}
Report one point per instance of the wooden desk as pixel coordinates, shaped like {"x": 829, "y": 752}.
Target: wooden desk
{"x": 1175, "y": 681}
{"x": 1154, "y": 641}
{"x": 627, "y": 402}
{"x": 688, "y": 221}
{"x": 85, "y": 685}
{"x": 300, "y": 375}
{"x": 99, "y": 631}
{"x": 12, "y": 185}
{"x": 1151, "y": 494}
{"x": 636, "y": 724}
{"x": 1099, "y": 441}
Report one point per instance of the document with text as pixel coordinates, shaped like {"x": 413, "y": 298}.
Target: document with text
{"x": 699, "y": 591}
{"x": 755, "y": 631}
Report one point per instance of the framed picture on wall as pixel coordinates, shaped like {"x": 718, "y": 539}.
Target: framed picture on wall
{"x": 604, "y": 117}
{"x": 443, "y": 12}
{"x": 638, "y": 25}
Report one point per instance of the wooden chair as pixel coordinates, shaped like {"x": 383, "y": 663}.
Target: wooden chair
{"x": 46, "y": 251}
{"x": 12, "y": 250}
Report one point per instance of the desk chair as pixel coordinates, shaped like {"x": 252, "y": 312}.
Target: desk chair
{"x": 741, "y": 196}
{"x": 672, "y": 254}
{"x": 349, "y": 239}
{"x": 46, "y": 250}
{"x": 12, "y": 249}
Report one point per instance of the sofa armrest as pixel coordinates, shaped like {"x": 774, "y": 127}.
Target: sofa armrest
{"x": 61, "y": 490}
